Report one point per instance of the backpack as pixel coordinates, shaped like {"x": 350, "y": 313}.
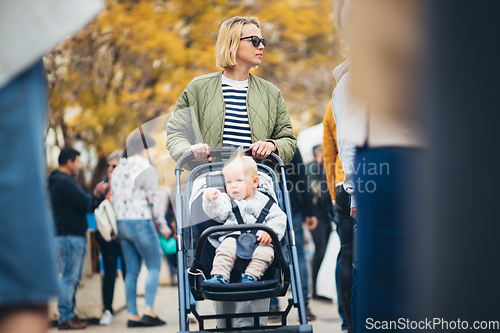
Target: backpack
{"x": 106, "y": 221}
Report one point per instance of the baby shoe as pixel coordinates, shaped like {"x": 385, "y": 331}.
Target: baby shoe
{"x": 217, "y": 279}
{"x": 247, "y": 278}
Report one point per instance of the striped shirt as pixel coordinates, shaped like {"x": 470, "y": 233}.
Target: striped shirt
{"x": 236, "y": 126}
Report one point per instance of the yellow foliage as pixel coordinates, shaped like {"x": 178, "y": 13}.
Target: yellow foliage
{"x": 132, "y": 62}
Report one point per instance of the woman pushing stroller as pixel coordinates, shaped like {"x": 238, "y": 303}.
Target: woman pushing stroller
{"x": 233, "y": 108}
{"x": 241, "y": 180}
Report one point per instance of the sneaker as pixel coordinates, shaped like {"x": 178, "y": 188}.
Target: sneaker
{"x": 217, "y": 279}
{"x": 106, "y": 318}
{"x": 245, "y": 278}
{"x": 192, "y": 318}
{"x": 310, "y": 316}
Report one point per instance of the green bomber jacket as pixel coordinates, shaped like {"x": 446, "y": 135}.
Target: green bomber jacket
{"x": 200, "y": 112}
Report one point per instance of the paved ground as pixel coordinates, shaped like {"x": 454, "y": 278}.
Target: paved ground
{"x": 328, "y": 320}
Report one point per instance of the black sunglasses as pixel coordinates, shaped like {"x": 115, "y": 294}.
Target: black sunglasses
{"x": 111, "y": 165}
{"x": 256, "y": 41}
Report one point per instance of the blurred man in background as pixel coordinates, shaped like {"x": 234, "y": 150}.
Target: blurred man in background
{"x": 70, "y": 205}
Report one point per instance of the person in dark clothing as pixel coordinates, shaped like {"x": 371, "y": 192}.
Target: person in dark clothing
{"x": 110, "y": 251}
{"x": 171, "y": 258}
{"x": 302, "y": 208}
{"x": 70, "y": 205}
{"x": 323, "y": 209}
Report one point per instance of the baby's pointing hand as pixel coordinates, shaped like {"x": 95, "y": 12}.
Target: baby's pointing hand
{"x": 211, "y": 194}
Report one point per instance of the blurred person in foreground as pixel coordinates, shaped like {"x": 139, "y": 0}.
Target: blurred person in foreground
{"x": 139, "y": 211}
{"x": 70, "y": 204}
{"x": 377, "y": 118}
{"x": 340, "y": 199}
{"x": 28, "y": 273}
{"x": 110, "y": 251}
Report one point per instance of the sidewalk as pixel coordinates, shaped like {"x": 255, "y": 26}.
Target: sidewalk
{"x": 328, "y": 320}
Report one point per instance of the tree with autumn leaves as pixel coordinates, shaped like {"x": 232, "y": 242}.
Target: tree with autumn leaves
{"x": 130, "y": 64}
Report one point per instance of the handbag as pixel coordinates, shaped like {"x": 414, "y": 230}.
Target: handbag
{"x": 106, "y": 221}
{"x": 168, "y": 246}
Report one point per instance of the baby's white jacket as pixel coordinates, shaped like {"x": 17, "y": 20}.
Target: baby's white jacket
{"x": 220, "y": 210}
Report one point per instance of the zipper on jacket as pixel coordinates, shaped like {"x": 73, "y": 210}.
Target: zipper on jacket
{"x": 224, "y": 111}
{"x": 248, "y": 114}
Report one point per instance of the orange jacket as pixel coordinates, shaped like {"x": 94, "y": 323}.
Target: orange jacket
{"x": 333, "y": 168}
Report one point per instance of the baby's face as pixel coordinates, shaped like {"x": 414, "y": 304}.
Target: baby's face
{"x": 240, "y": 186}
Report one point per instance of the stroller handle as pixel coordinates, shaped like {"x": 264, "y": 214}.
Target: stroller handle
{"x": 222, "y": 153}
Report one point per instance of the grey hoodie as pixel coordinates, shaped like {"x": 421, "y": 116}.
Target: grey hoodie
{"x": 347, "y": 150}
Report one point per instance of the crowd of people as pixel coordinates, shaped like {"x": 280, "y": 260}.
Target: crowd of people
{"x": 141, "y": 214}
{"x": 247, "y": 101}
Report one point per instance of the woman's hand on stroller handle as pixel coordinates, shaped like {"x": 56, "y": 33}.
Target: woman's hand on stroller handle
{"x": 262, "y": 149}
{"x": 211, "y": 194}
{"x": 265, "y": 239}
{"x": 200, "y": 151}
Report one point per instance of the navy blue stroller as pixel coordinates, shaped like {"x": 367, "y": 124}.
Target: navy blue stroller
{"x": 195, "y": 254}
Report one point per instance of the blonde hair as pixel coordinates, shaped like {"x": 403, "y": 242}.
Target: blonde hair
{"x": 247, "y": 163}
{"x": 229, "y": 40}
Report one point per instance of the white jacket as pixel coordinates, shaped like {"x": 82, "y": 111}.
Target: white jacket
{"x": 220, "y": 210}
{"x": 347, "y": 150}
{"x": 134, "y": 185}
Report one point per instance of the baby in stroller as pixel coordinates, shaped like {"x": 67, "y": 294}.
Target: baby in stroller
{"x": 242, "y": 203}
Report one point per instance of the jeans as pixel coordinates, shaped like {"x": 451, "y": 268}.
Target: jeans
{"x": 385, "y": 235}
{"x": 28, "y": 269}
{"x": 139, "y": 241}
{"x": 320, "y": 236}
{"x": 345, "y": 231}
{"x": 339, "y": 302}
{"x": 71, "y": 251}
{"x": 354, "y": 293}
{"x": 299, "y": 243}
{"x": 110, "y": 252}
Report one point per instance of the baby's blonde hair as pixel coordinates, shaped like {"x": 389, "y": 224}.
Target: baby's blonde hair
{"x": 229, "y": 40}
{"x": 248, "y": 164}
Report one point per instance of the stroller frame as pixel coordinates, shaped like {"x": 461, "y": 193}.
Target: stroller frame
{"x": 291, "y": 272}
